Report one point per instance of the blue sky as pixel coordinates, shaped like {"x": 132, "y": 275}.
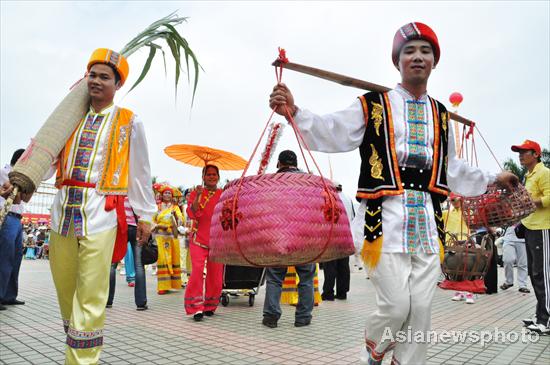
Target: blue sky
{"x": 495, "y": 53}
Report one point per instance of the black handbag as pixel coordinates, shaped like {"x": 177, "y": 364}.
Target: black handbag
{"x": 149, "y": 252}
{"x": 519, "y": 230}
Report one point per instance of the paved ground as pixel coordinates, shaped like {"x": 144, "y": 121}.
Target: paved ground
{"x": 33, "y": 334}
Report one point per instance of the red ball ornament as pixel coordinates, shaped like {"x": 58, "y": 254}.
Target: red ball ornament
{"x": 455, "y": 99}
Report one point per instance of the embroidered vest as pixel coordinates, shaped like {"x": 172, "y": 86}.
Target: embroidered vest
{"x": 114, "y": 167}
{"x": 380, "y": 173}
{"x": 379, "y": 168}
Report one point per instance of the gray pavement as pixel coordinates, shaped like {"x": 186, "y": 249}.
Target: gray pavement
{"x": 33, "y": 333}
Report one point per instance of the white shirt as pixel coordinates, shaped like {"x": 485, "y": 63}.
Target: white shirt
{"x": 344, "y": 130}
{"x": 349, "y": 205}
{"x": 15, "y": 208}
{"x": 140, "y": 192}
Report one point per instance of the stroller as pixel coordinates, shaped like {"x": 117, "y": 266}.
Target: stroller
{"x": 239, "y": 280}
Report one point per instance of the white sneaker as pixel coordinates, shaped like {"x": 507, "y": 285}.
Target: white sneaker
{"x": 470, "y": 298}
{"x": 529, "y": 321}
{"x": 539, "y": 328}
{"x": 459, "y": 296}
{"x": 122, "y": 272}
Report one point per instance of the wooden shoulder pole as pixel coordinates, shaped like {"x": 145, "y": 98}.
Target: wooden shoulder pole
{"x": 351, "y": 82}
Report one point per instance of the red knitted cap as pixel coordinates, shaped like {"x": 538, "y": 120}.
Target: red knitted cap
{"x": 412, "y": 31}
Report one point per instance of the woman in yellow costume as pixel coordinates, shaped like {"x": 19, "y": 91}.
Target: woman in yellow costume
{"x": 290, "y": 287}
{"x": 168, "y": 224}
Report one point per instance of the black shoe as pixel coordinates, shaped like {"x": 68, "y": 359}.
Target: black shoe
{"x": 302, "y": 323}
{"x": 108, "y": 306}
{"x": 524, "y": 290}
{"x": 2, "y": 308}
{"x": 270, "y": 322}
{"x": 14, "y": 302}
{"x": 198, "y": 317}
{"x": 209, "y": 313}
{"x": 342, "y": 297}
{"x": 506, "y": 286}
{"x": 327, "y": 297}
{"x": 142, "y": 307}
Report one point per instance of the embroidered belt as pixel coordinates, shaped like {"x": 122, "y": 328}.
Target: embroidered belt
{"x": 411, "y": 179}
{"x": 77, "y": 183}
{"x": 111, "y": 202}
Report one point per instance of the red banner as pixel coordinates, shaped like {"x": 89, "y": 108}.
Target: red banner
{"x": 36, "y": 218}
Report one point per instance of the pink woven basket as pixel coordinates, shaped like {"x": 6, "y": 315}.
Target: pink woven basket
{"x": 281, "y": 219}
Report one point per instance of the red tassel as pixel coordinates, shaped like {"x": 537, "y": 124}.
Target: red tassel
{"x": 282, "y": 56}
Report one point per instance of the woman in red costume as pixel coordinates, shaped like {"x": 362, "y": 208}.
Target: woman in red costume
{"x": 201, "y": 207}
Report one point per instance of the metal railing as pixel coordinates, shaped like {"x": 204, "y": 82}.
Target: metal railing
{"x": 42, "y": 199}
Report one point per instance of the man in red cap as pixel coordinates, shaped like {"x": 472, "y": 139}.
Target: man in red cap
{"x": 408, "y": 167}
{"x": 537, "y": 232}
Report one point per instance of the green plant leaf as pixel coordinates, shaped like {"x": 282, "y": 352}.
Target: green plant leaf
{"x": 175, "y": 53}
{"x": 146, "y": 67}
{"x": 165, "y": 29}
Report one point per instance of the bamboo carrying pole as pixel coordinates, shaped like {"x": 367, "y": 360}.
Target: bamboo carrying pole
{"x": 352, "y": 82}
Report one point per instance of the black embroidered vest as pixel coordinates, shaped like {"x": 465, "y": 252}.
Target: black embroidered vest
{"x": 380, "y": 173}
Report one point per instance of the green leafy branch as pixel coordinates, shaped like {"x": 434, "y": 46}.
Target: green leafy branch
{"x": 165, "y": 29}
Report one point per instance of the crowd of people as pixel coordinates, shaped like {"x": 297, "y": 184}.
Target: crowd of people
{"x": 104, "y": 211}
{"x": 36, "y": 241}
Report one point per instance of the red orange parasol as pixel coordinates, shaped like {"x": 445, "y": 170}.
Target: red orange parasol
{"x": 201, "y": 155}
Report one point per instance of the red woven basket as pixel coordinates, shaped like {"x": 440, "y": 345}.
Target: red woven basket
{"x": 497, "y": 207}
{"x": 281, "y": 219}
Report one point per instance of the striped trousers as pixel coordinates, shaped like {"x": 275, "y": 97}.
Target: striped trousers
{"x": 537, "y": 243}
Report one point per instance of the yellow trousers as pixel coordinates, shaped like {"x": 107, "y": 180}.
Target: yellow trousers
{"x": 80, "y": 270}
{"x": 168, "y": 264}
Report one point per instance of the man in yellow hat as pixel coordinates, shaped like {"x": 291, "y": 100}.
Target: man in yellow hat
{"x": 103, "y": 161}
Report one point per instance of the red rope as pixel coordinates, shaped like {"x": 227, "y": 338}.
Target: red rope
{"x": 78, "y": 81}
{"x": 461, "y": 151}
{"x": 282, "y": 58}
{"x": 489, "y": 148}
{"x": 300, "y": 146}
{"x": 474, "y": 151}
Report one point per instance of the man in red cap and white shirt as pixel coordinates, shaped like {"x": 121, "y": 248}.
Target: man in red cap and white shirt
{"x": 537, "y": 232}
{"x": 408, "y": 167}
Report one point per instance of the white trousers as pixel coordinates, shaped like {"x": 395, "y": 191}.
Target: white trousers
{"x": 405, "y": 285}
{"x": 515, "y": 253}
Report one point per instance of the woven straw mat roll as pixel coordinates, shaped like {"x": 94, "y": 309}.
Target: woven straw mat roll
{"x": 50, "y": 139}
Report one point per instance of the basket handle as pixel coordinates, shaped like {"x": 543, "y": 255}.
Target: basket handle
{"x": 331, "y": 199}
